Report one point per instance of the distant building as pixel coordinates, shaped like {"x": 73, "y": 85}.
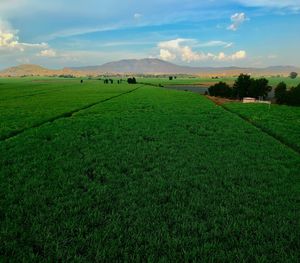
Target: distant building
{"x": 249, "y": 100}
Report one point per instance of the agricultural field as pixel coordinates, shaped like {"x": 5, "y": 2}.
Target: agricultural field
{"x": 207, "y": 81}
{"x": 274, "y": 81}
{"x": 136, "y": 173}
{"x": 184, "y": 80}
{"x": 281, "y": 121}
{"x": 29, "y": 102}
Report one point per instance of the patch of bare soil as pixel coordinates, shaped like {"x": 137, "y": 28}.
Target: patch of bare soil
{"x": 220, "y": 101}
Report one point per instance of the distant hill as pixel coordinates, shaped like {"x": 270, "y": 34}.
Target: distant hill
{"x": 36, "y": 70}
{"x": 145, "y": 66}
{"x": 157, "y": 66}
{"x": 140, "y": 66}
{"x": 25, "y": 69}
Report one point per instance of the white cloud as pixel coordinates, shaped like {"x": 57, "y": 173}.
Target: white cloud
{"x": 181, "y": 49}
{"x": 137, "y": 16}
{"x": 173, "y": 44}
{"x": 169, "y": 50}
{"x": 50, "y": 53}
{"x": 215, "y": 43}
{"x": 9, "y": 39}
{"x": 238, "y": 55}
{"x": 237, "y": 20}
{"x": 167, "y": 55}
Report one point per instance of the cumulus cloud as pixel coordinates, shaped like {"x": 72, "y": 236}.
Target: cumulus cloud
{"x": 50, "y": 53}
{"x": 170, "y": 50}
{"x": 9, "y": 39}
{"x": 181, "y": 49}
{"x": 238, "y": 55}
{"x": 166, "y": 55}
{"x": 237, "y": 20}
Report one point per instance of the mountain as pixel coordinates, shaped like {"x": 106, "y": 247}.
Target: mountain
{"x": 145, "y": 66}
{"x": 140, "y": 66}
{"x": 25, "y": 69}
{"x": 157, "y": 66}
{"x": 36, "y": 70}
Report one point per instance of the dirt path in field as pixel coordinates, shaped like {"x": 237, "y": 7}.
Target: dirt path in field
{"x": 69, "y": 114}
{"x": 220, "y": 101}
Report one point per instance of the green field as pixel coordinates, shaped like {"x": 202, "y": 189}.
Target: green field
{"x": 281, "y": 121}
{"x": 273, "y": 81}
{"x": 96, "y": 173}
{"x": 30, "y": 102}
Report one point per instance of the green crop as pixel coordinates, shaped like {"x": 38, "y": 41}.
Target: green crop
{"x": 280, "y": 121}
{"x": 35, "y": 101}
{"x": 151, "y": 175}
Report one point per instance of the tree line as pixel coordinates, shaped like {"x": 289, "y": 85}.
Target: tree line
{"x": 287, "y": 96}
{"x": 245, "y": 86}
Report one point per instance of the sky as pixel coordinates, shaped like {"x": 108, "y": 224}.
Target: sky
{"x": 63, "y": 33}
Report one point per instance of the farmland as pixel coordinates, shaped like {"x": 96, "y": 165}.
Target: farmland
{"x": 94, "y": 172}
{"x": 281, "y": 121}
{"x": 31, "y": 102}
{"x": 208, "y": 81}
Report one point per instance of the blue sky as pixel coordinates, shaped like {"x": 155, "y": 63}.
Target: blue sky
{"x": 61, "y": 33}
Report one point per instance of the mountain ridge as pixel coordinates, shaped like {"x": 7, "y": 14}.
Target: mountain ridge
{"x": 144, "y": 66}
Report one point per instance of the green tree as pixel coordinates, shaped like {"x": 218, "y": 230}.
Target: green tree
{"x": 220, "y": 89}
{"x": 242, "y": 86}
{"x": 281, "y": 93}
{"x": 293, "y": 96}
{"x": 259, "y": 88}
{"x": 293, "y": 75}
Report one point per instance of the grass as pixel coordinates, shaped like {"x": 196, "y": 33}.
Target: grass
{"x": 283, "y": 122}
{"x": 153, "y": 175}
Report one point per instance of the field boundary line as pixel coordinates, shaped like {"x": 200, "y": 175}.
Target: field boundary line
{"x": 264, "y": 130}
{"x": 69, "y": 114}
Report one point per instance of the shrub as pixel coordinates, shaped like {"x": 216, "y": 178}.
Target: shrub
{"x": 131, "y": 80}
